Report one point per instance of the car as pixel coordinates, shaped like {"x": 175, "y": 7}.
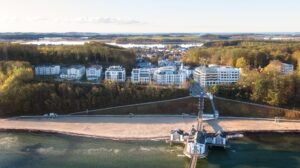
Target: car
{"x": 51, "y": 115}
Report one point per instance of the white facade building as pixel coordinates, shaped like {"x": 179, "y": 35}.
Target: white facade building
{"x": 216, "y": 75}
{"x": 287, "y": 68}
{"x": 115, "y": 73}
{"x": 169, "y": 76}
{"x": 187, "y": 70}
{"x": 47, "y": 70}
{"x": 141, "y": 76}
{"x": 94, "y": 72}
{"x": 75, "y": 72}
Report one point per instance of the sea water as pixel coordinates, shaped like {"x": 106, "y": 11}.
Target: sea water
{"x": 30, "y": 150}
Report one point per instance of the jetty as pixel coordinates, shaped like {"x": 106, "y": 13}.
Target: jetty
{"x": 197, "y": 142}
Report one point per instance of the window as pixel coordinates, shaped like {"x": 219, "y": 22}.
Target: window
{"x": 120, "y": 76}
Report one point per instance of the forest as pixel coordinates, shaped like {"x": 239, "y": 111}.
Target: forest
{"x": 261, "y": 81}
{"x": 89, "y": 53}
{"x": 20, "y": 94}
{"x": 255, "y": 53}
{"x": 269, "y": 88}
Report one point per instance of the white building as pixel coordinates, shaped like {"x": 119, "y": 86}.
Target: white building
{"x": 287, "y": 68}
{"x": 75, "y": 72}
{"x": 47, "y": 70}
{"x": 141, "y": 75}
{"x": 169, "y": 76}
{"x": 187, "y": 70}
{"x": 216, "y": 75}
{"x": 94, "y": 72}
{"x": 115, "y": 73}
{"x": 278, "y": 66}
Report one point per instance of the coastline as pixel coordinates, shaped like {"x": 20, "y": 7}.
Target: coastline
{"x": 282, "y": 132}
{"x": 140, "y": 128}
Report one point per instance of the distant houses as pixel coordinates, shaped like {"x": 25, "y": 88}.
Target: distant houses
{"x": 46, "y": 70}
{"x": 166, "y": 62}
{"x": 93, "y": 73}
{"x": 142, "y": 63}
{"x": 115, "y": 73}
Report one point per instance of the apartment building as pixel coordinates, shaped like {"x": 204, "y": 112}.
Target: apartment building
{"x": 94, "y": 72}
{"x": 141, "y": 76}
{"x": 47, "y": 70}
{"x": 115, "y": 73}
{"x": 169, "y": 75}
{"x": 216, "y": 75}
{"x": 74, "y": 72}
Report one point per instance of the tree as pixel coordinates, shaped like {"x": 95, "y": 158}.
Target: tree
{"x": 274, "y": 67}
{"x": 296, "y": 57}
{"x": 242, "y": 63}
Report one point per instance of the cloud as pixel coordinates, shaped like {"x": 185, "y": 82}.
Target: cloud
{"x": 106, "y": 20}
{"x": 78, "y": 20}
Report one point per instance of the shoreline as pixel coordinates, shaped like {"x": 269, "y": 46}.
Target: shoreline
{"x": 246, "y": 133}
{"x": 81, "y": 135}
{"x": 140, "y": 128}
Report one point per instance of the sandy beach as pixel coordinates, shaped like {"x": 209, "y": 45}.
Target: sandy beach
{"x": 138, "y": 127}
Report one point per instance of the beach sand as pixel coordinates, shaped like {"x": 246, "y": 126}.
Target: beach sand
{"x": 139, "y": 128}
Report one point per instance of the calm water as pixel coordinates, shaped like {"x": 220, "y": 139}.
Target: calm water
{"x": 156, "y": 45}
{"x": 27, "y": 150}
{"x": 81, "y": 42}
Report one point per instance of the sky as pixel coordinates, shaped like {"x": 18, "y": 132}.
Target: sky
{"x": 149, "y": 16}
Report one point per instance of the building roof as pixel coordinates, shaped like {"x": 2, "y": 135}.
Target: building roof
{"x": 95, "y": 66}
{"x": 115, "y": 68}
{"x": 215, "y": 69}
{"x": 76, "y": 66}
{"x": 168, "y": 70}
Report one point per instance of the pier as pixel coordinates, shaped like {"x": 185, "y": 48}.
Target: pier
{"x": 204, "y": 152}
{"x": 197, "y": 141}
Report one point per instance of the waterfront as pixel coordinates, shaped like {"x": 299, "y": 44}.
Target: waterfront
{"x": 52, "y": 150}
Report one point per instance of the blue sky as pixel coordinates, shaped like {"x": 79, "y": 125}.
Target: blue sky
{"x": 149, "y": 16}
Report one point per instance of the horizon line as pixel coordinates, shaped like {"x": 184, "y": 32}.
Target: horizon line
{"x": 91, "y": 32}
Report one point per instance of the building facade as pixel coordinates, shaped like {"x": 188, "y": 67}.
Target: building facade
{"x": 169, "y": 76}
{"x": 115, "y": 73}
{"x": 75, "y": 72}
{"x": 141, "y": 76}
{"x": 287, "y": 68}
{"x": 94, "y": 72}
{"x": 216, "y": 75}
{"x": 47, "y": 70}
